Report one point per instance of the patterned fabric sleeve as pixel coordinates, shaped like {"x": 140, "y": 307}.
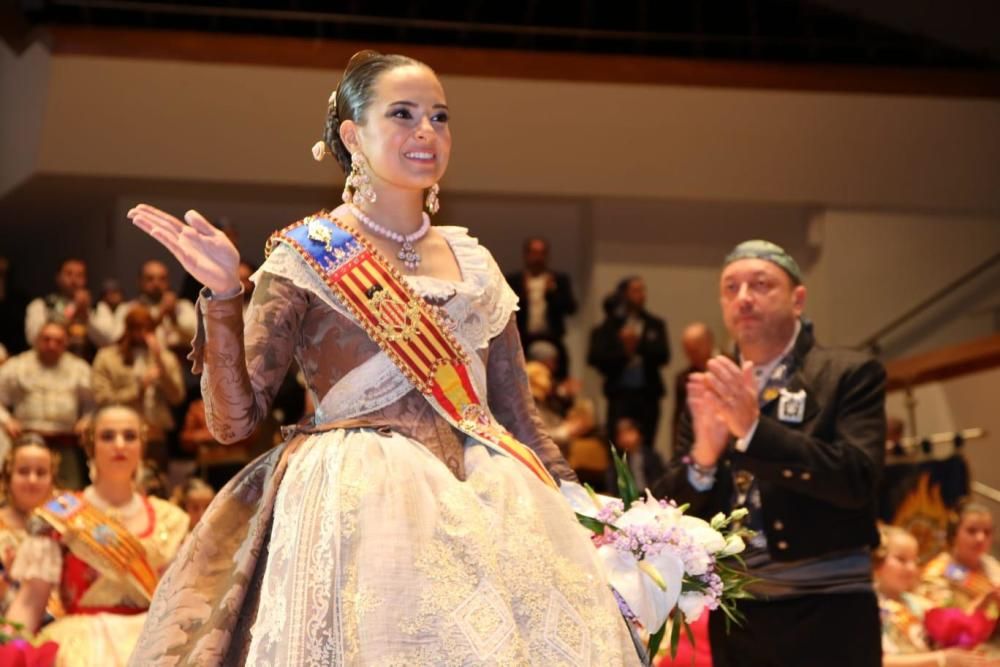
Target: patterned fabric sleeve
{"x": 242, "y": 367}
{"x": 38, "y": 557}
{"x": 511, "y": 402}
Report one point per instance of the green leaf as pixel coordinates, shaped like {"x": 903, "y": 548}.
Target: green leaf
{"x": 591, "y": 523}
{"x": 626, "y": 482}
{"x": 675, "y": 633}
{"x": 655, "y": 640}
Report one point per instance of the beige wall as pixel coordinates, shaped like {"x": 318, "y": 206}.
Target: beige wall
{"x": 254, "y": 124}
{"x": 24, "y": 86}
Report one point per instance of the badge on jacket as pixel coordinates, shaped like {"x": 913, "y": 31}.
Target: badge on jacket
{"x": 792, "y": 406}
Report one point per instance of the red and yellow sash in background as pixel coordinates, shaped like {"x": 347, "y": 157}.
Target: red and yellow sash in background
{"x": 408, "y": 329}
{"x": 102, "y": 542}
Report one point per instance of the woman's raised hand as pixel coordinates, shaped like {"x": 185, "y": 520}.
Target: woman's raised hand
{"x": 204, "y": 251}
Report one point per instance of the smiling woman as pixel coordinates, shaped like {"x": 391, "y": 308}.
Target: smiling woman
{"x": 415, "y": 519}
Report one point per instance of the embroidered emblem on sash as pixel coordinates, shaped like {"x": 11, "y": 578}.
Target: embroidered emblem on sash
{"x": 398, "y": 320}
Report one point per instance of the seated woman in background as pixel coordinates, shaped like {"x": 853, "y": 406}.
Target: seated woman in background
{"x": 27, "y": 482}
{"x": 904, "y": 639}
{"x": 966, "y": 575}
{"x": 104, "y": 548}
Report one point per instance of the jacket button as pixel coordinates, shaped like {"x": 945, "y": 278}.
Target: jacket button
{"x": 806, "y": 476}
{"x": 782, "y": 545}
{"x": 778, "y": 525}
{"x": 787, "y": 474}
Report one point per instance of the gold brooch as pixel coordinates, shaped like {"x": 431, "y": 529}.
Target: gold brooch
{"x": 320, "y": 233}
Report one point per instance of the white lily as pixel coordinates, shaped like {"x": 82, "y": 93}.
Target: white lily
{"x": 650, "y": 598}
{"x": 734, "y": 545}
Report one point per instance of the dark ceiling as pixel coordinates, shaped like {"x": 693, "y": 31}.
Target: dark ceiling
{"x": 746, "y": 30}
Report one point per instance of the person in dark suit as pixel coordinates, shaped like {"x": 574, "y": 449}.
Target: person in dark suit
{"x": 794, "y": 432}
{"x": 629, "y": 348}
{"x": 546, "y": 300}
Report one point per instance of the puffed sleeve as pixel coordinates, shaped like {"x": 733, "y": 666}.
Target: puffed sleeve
{"x": 38, "y": 557}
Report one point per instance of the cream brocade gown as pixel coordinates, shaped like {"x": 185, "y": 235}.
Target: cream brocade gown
{"x": 378, "y": 536}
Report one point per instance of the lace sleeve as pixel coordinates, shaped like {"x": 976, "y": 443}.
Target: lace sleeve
{"x": 243, "y": 364}
{"x": 38, "y": 557}
{"x": 511, "y": 402}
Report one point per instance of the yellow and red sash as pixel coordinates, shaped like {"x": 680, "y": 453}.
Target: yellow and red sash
{"x": 405, "y": 327}
{"x": 101, "y": 541}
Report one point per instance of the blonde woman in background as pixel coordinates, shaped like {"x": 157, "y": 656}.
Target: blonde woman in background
{"x": 28, "y": 476}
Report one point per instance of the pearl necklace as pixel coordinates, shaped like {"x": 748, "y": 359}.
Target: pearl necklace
{"x": 408, "y": 255}
{"x": 122, "y": 513}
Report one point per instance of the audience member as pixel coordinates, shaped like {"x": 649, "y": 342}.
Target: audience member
{"x": 966, "y": 575}
{"x": 643, "y": 461}
{"x": 70, "y": 305}
{"x": 796, "y": 433}
{"x": 46, "y": 390}
{"x": 27, "y": 479}
{"x": 905, "y": 642}
{"x": 569, "y": 419}
{"x": 174, "y": 318}
{"x": 628, "y": 348}
{"x": 193, "y": 497}
{"x": 112, "y": 296}
{"x": 698, "y": 344}
{"x": 546, "y": 300}
{"x": 106, "y": 575}
{"x": 137, "y": 372}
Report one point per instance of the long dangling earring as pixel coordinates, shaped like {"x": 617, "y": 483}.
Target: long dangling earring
{"x": 433, "y": 203}
{"x": 358, "y": 181}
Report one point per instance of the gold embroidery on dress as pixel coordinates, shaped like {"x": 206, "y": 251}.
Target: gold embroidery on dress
{"x": 484, "y": 593}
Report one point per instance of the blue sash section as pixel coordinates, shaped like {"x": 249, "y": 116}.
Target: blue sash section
{"x": 327, "y": 244}
{"x": 64, "y": 506}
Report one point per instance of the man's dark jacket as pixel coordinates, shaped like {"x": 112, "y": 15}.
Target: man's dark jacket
{"x": 607, "y": 353}
{"x": 817, "y": 479}
{"x": 559, "y": 304}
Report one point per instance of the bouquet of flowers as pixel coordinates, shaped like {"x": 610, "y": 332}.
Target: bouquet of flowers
{"x": 663, "y": 564}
